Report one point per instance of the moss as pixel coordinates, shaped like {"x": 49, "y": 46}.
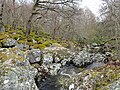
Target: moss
{"x": 101, "y": 76}
{"x": 36, "y": 65}
{"x": 40, "y": 46}
{"x": 22, "y": 37}
{"x": 81, "y": 69}
{"x": 3, "y": 57}
{"x": 0, "y": 44}
{"x": 4, "y": 41}
{"x": 47, "y": 43}
{"x": 64, "y": 44}
{"x": 54, "y": 41}
{"x": 44, "y": 34}
{"x": 56, "y": 45}
{"x": 8, "y": 27}
{"x": 22, "y": 41}
{"x": 3, "y": 35}
{"x": 15, "y": 36}
{"x": 109, "y": 75}
{"x": 11, "y": 31}
{"x": 29, "y": 39}
{"x": 30, "y": 43}
{"x": 20, "y": 28}
{"x": 94, "y": 74}
{"x": 14, "y": 56}
{"x": 4, "y": 50}
{"x": 33, "y": 35}
{"x": 39, "y": 40}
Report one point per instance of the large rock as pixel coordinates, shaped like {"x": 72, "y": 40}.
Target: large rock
{"x": 16, "y": 73}
{"x": 23, "y": 46}
{"x": 84, "y": 58}
{"x": 115, "y": 85}
{"x": 102, "y": 48}
{"x": 54, "y": 68}
{"x": 12, "y": 56}
{"x": 56, "y": 55}
{"x": 35, "y": 56}
{"x": 8, "y": 43}
{"x": 17, "y": 77}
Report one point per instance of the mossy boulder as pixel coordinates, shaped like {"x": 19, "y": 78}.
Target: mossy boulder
{"x": 115, "y": 85}
{"x": 8, "y": 42}
{"x": 56, "y": 54}
{"x": 12, "y": 55}
{"x": 17, "y": 77}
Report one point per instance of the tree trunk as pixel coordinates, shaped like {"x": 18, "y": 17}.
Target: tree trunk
{"x": 1, "y": 16}
{"x": 14, "y": 21}
{"x": 28, "y": 26}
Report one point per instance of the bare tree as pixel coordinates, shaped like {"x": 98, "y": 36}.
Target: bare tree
{"x": 111, "y": 13}
{"x": 1, "y": 15}
{"x": 46, "y": 5}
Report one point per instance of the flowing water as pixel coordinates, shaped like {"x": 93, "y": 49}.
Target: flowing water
{"x": 51, "y": 82}
{"x": 94, "y": 65}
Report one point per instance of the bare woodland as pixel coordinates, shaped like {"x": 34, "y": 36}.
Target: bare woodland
{"x": 64, "y": 19}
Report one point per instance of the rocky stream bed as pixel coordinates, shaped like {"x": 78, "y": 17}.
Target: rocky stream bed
{"x": 57, "y": 68}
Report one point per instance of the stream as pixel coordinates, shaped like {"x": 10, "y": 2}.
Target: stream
{"x": 67, "y": 71}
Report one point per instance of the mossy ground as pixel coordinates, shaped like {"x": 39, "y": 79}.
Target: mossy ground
{"x": 43, "y": 40}
{"x": 103, "y": 76}
{"x": 95, "y": 79}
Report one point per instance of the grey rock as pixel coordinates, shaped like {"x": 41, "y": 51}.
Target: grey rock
{"x": 54, "y": 68}
{"x": 115, "y": 85}
{"x": 23, "y": 46}
{"x": 48, "y": 58}
{"x": 51, "y": 69}
{"x": 34, "y": 56}
{"x": 56, "y": 55}
{"x": 94, "y": 65}
{"x": 84, "y": 58}
{"x": 17, "y": 77}
{"x": 2, "y": 29}
{"x": 9, "y": 43}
